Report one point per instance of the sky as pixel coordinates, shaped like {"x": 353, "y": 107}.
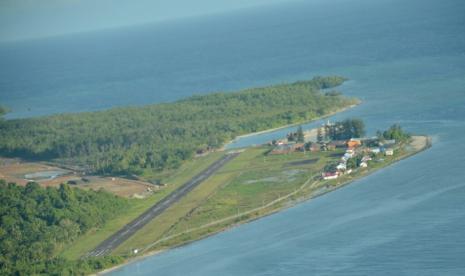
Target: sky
{"x": 25, "y": 19}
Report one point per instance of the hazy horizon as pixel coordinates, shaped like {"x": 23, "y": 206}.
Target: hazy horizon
{"x": 25, "y": 19}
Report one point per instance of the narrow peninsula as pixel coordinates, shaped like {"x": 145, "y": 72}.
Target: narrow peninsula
{"x": 95, "y": 190}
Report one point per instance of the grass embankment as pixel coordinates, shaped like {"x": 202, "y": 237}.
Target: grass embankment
{"x": 249, "y": 187}
{"x": 174, "y": 179}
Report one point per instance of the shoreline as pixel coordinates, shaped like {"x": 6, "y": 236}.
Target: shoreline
{"x": 289, "y": 125}
{"x": 426, "y": 144}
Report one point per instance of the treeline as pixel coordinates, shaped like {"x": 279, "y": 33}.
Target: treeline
{"x": 129, "y": 140}
{"x": 36, "y": 223}
{"x": 395, "y": 132}
{"x": 344, "y": 130}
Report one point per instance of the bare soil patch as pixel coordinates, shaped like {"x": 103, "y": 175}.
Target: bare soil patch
{"x": 14, "y": 170}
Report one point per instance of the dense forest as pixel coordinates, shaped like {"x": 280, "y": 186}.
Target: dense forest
{"x": 129, "y": 140}
{"x": 36, "y": 223}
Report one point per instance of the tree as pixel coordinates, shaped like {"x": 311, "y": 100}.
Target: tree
{"x": 354, "y": 162}
{"x": 397, "y": 133}
{"x": 331, "y": 167}
{"x": 36, "y": 223}
{"x": 347, "y": 129}
{"x": 300, "y": 135}
{"x": 3, "y": 111}
{"x": 319, "y": 135}
{"x": 117, "y": 141}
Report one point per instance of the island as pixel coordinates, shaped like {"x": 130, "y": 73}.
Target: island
{"x": 88, "y": 178}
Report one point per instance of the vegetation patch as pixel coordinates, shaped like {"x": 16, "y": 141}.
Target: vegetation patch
{"x": 157, "y": 137}
{"x": 37, "y": 223}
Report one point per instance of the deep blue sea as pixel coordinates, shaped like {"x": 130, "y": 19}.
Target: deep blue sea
{"x": 405, "y": 60}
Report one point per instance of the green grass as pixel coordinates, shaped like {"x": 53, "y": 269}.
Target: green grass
{"x": 91, "y": 239}
{"x": 162, "y": 224}
{"x": 261, "y": 180}
{"x": 245, "y": 184}
{"x": 249, "y": 181}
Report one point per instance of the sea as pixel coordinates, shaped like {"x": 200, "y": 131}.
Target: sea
{"x": 405, "y": 59}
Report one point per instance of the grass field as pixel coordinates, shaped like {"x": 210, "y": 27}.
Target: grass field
{"x": 251, "y": 186}
{"x": 247, "y": 182}
{"x": 91, "y": 239}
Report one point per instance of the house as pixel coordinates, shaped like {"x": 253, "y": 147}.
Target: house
{"x": 330, "y": 175}
{"x": 341, "y": 166}
{"x": 388, "y": 142}
{"x": 366, "y": 158}
{"x": 282, "y": 149}
{"x": 350, "y": 151}
{"x": 287, "y": 148}
{"x": 298, "y": 147}
{"x": 375, "y": 150}
{"x": 330, "y": 147}
{"x": 363, "y": 165}
{"x": 315, "y": 147}
{"x": 348, "y": 155}
{"x": 353, "y": 143}
{"x": 338, "y": 144}
{"x": 389, "y": 152}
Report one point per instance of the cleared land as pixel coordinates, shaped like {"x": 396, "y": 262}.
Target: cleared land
{"x": 14, "y": 170}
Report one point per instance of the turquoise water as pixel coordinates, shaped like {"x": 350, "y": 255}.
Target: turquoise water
{"x": 405, "y": 60}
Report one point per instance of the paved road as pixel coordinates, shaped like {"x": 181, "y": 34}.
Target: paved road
{"x": 129, "y": 229}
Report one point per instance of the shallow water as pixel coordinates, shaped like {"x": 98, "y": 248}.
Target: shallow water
{"x": 405, "y": 60}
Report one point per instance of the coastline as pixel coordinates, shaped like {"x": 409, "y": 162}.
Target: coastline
{"x": 290, "y": 125}
{"x": 282, "y": 204}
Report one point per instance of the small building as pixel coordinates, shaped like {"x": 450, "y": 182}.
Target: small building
{"x": 363, "y": 165}
{"x": 348, "y": 155}
{"x": 315, "y": 147}
{"x": 389, "y": 152}
{"x": 341, "y": 166}
{"x": 330, "y": 175}
{"x": 330, "y": 147}
{"x": 298, "y": 147}
{"x": 366, "y": 158}
{"x": 391, "y": 142}
{"x": 338, "y": 144}
{"x": 375, "y": 150}
{"x": 353, "y": 143}
{"x": 287, "y": 148}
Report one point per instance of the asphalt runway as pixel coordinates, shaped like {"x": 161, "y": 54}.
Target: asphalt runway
{"x": 129, "y": 229}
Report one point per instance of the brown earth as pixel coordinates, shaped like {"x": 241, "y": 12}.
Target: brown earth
{"x": 14, "y": 170}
